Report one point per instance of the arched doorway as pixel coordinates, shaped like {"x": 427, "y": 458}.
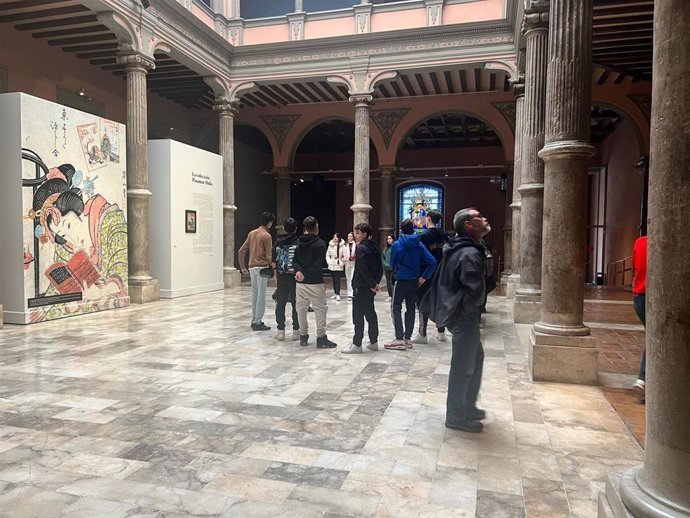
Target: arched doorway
{"x": 323, "y": 176}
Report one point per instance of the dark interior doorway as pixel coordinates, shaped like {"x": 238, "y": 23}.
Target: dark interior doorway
{"x": 315, "y": 198}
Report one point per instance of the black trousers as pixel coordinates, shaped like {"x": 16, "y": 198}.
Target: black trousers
{"x": 284, "y": 294}
{"x": 389, "y": 281}
{"x": 363, "y": 307}
{"x": 337, "y": 275}
{"x": 404, "y": 290}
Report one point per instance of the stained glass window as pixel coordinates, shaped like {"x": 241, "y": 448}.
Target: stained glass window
{"x": 416, "y": 200}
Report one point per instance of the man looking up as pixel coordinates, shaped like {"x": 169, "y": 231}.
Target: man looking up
{"x": 455, "y": 300}
{"x": 259, "y": 246}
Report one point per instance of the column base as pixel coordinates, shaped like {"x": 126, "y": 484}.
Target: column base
{"x": 512, "y": 285}
{"x": 232, "y": 278}
{"x": 526, "y": 309}
{"x": 563, "y": 359}
{"x": 143, "y": 292}
{"x": 624, "y": 498}
{"x": 504, "y": 279}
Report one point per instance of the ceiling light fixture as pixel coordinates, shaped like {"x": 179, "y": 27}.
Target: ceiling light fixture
{"x": 82, "y": 92}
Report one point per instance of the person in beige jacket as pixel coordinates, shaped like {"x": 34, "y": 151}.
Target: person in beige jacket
{"x": 336, "y": 257}
{"x": 259, "y": 244}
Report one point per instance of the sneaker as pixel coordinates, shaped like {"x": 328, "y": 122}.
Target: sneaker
{"x": 420, "y": 339}
{"x": 352, "y": 349}
{"x": 441, "y": 336}
{"x": 466, "y": 426}
{"x": 638, "y": 386}
{"x": 260, "y": 327}
{"x": 373, "y": 346}
{"x": 349, "y": 297}
{"x": 295, "y": 335}
{"x": 280, "y": 335}
{"x": 322, "y": 342}
{"x": 304, "y": 340}
{"x": 395, "y": 345}
{"x": 333, "y": 296}
{"x": 408, "y": 343}
{"x": 337, "y": 297}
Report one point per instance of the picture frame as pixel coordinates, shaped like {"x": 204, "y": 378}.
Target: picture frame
{"x": 190, "y": 221}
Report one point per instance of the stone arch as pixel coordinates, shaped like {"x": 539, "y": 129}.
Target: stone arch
{"x": 483, "y": 113}
{"x": 209, "y": 140}
{"x": 628, "y": 116}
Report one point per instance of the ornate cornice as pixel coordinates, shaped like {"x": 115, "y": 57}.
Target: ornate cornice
{"x": 387, "y": 121}
{"x": 280, "y": 126}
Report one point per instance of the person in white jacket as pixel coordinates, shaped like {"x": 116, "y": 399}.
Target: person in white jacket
{"x": 350, "y": 247}
{"x": 336, "y": 257}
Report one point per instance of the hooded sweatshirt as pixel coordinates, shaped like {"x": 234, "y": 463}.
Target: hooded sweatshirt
{"x": 368, "y": 267}
{"x": 284, "y": 252}
{"x": 310, "y": 258}
{"x": 457, "y": 290}
{"x": 406, "y": 258}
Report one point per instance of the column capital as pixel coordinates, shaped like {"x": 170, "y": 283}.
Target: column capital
{"x": 362, "y": 99}
{"x": 282, "y": 173}
{"x": 226, "y": 108}
{"x": 388, "y": 171}
{"x": 518, "y": 85}
{"x": 135, "y": 61}
{"x": 536, "y": 16}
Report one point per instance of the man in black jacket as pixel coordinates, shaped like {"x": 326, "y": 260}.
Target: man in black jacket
{"x": 365, "y": 284}
{"x": 309, "y": 262}
{"x": 455, "y": 300}
{"x": 283, "y": 256}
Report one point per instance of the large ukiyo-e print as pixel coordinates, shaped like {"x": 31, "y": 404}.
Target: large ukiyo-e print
{"x": 74, "y": 200}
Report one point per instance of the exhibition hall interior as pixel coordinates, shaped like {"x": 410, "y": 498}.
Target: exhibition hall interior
{"x": 141, "y": 141}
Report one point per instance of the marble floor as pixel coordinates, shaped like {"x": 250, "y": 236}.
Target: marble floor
{"x": 177, "y": 409}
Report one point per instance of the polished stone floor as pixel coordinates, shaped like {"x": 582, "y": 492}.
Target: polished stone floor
{"x": 178, "y": 409}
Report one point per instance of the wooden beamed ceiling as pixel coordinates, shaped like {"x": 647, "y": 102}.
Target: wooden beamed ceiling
{"x": 622, "y": 51}
{"x": 75, "y": 29}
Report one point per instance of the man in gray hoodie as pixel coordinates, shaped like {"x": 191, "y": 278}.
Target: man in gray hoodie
{"x": 455, "y": 300}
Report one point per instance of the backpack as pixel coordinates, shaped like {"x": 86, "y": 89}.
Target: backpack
{"x": 284, "y": 256}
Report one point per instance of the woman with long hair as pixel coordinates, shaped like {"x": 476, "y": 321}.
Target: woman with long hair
{"x": 336, "y": 257}
{"x": 386, "y": 258}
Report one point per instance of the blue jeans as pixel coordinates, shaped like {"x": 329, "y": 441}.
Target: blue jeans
{"x": 466, "y": 366}
{"x": 258, "y": 295}
{"x": 639, "y": 304}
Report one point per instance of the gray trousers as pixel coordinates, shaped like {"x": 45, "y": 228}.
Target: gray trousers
{"x": 259, "y": 284}
{"x": 314, "y": 294}
{"x": 466, "y": 366}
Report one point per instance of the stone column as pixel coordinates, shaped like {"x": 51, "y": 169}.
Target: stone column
{"x": 387, "y": 204}
{"x": 562, "y": 349}
{"x": 527, "y": 307}
{"x": 227, "y": 111}
{"x": 507, "y": 237}
{"x": 282, "y": 196}
{"x": 142, "y": 287}
{"x": 361, "y": 206}
{"x": 516, "y": 204}
{"x": 661, "y": 487}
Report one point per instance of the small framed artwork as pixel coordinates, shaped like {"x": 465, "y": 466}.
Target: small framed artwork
{"x": 190, "y": 221}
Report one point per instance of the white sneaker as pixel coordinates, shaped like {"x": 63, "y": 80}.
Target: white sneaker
{"x": 638, "y": 386}
{"x": 280, "y": 335}
{"x": 351, "y": 349}
{"x": 333, "y": 296}
{"x": 373, "y": 346}
{"x": 408, "y": 343}
{"x": 337, "y": 297}
{"x": 295, "y": 335}
{"x": 419, "y": 339}
{"x": 441, "y": 336}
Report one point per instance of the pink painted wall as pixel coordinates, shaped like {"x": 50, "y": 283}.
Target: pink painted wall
{"x": 408, "y": 19}
{"x": 266, "y": 34}
{"x": 37, "y": 69}
{"x": 474, "y": 12}
{"x": 326, "y": 28}
{"x": 203, "y": 16}
{"x": 624, "y": 191}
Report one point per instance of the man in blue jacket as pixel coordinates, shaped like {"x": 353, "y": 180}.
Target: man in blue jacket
{"x": 406, "y": 262}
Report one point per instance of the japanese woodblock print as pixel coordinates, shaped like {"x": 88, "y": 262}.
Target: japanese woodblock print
{"x": 74, "y": 198}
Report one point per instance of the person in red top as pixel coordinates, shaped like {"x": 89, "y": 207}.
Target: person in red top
{"x": 639, "y": 260}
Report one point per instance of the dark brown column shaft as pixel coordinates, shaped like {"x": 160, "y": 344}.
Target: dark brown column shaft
{"x": 387, "y": 207}
{"x": 282, "y": 196}
{"x": 361, "y": 206}
{"x": 565, "y": 154}
{"x": 661, "y": 487}
{"x": 532, "y": 178}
